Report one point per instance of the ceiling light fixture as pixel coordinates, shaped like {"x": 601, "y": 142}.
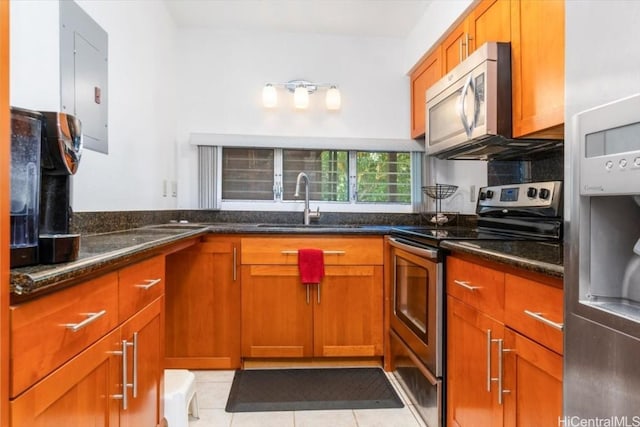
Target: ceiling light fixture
{"x": 301, "y": 90}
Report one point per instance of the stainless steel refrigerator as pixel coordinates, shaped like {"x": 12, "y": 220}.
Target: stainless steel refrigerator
{"x": 602, "y": 214}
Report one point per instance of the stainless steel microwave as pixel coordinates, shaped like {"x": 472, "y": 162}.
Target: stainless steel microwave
{"x": 469, "y": 110}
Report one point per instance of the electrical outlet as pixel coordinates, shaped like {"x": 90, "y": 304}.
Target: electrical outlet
{"x": 164, "y": 188}
{"x": 472, "y": 193}
{"x": 174, "y": 189}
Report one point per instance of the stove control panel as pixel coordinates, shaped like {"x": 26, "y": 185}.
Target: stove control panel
{"x": 533, "y": 198}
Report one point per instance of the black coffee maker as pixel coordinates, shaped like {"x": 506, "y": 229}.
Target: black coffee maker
{"x": 60, "y": 157}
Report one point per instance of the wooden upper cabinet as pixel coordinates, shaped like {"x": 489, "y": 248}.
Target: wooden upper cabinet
{"x": 490, "y": 21}
{"x": 537, "y": 58}
{"x": 454, "y": 47}
{"x": 427, "y": 73}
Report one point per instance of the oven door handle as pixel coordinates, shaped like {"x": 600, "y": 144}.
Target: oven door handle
{"x": 416, "y": 250}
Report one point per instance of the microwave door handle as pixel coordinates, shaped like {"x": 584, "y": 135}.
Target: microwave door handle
{"x": 463, "y": 117}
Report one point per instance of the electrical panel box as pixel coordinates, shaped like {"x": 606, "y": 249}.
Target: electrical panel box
{"x": 83, "y": 74}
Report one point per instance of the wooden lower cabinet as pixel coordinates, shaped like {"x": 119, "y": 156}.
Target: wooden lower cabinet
{"x": 145, "y": 367}
{"x": 342, "y": 317}
{"x": 77, "y": 394}
{"x": 471, "y": 399}
{"x": 87, "y": 390}
{"x": 203, "y": 306}
{"x": 504, "y": 366}
{"x": 533, "y": 376}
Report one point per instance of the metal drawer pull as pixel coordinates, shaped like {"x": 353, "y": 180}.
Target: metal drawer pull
{"x": 539, "y": 317}
{"x": 92, "y": 317}
{"x": 325, "y": 252}
{"x": 150, "y": 284}
{"x": 466, "y": 285}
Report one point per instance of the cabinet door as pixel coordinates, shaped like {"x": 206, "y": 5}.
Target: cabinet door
{"x": 537, "y": 58}
{"x": 348, "y": 312}
{"x": 454, "y": 48}
{"x": 144, "y": 367}
{"x": 490, "y": 21}
{"x": 78, "y": 394}
{"x": 277, "y": 316}
{"x": 203, "y": 306}
{"x": 533, "y": 376}
{"x": 427, "y": 73}
{"x": 471, "y": 362}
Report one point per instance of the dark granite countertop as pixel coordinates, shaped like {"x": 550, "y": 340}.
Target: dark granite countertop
{"x": 99, "y": 252}
{"x": 104, "y": 251}
{"x": 538, "y": 257}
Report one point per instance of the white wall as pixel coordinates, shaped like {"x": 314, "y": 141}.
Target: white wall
{"x": 142, "y": 119}
{"x": 438, "y": 17}
{"x": 222, "y": 74}
{"x": 165, "y": 83}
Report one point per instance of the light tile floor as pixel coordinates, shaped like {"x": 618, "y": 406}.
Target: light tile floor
{"x": 212, "y": 388}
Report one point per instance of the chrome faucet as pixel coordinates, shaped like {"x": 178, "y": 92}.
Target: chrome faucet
{"x": 307, "y": 212}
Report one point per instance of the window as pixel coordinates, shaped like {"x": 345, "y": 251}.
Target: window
{"x": 328, "y": 173}
{"x": 247, "y": 174}
{"x": 265, "y": 178}
{"x": 384, "y": 177}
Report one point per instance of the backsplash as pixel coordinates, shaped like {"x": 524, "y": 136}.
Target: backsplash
{"x": 550, "y": 168}
{"x": 103, "y": 222}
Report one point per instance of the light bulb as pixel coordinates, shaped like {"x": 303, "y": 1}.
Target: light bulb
{"x": 333, "y": 99}
{"x": 301, "y": 98}
{"x": 269, "y": 96}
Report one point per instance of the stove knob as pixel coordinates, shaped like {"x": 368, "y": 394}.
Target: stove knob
{"x": 489, "y": 194}
{"x": 636, "y": 162}
{"x": 531, "y": 192}
{"x": 544, "y": 193}
{"x": 482, "y": 195}
{"x": 622, "y": 163}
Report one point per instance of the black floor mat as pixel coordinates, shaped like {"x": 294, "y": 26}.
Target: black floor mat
{"x": 308, "y": 389}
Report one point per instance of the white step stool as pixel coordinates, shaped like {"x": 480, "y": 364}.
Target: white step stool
{"x": 180, "y": 398}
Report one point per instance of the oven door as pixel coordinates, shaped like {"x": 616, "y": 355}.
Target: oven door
{"x": 417, "y": 313}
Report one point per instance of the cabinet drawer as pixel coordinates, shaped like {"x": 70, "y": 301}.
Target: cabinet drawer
{"x": 338, "y": 250}
{"x": 48, "y": 331}
{"x": 480, "y": 287}
{"x": 139, "y": 285}
{"x": 535, "y": 310}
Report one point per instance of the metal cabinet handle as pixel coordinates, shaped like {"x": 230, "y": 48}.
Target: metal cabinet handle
{"x": 466, "y": 44}
{"x": 318, "y": 285}
{"x": 324, "y": 252}
{"x": 540, "y": 318}
{"x": 135, "y": 364}
{"x": 125, "y": 380}
{"x": 150, "y": 283}
{"x": 235, "y": 259}
{"x": 489, "y": 341}
{"x": 308, "y": 297}
{"x": 500, "y": 378}
{"x": 91, "y": 317}
{"x": 460, "y": 50}
{"x": 466, "y": 285}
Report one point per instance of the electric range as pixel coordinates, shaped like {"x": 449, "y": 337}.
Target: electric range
{"x": 531, "y": 211}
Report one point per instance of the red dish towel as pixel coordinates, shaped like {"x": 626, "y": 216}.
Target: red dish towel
{"x": 311, "y": 265}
